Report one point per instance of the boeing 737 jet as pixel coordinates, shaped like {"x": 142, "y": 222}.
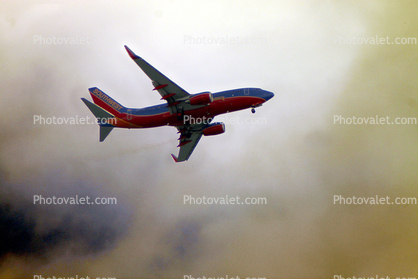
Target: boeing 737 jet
{"x": 191, "y": 114}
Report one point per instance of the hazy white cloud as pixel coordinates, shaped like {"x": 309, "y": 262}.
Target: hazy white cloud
{"x": 298, "y": 159}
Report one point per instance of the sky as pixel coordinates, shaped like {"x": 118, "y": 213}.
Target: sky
{"x": 312, "y": 55}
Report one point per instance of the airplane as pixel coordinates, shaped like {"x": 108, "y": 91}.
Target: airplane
{"x": 191, "y": 114}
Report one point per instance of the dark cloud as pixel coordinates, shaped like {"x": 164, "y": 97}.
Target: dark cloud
{"x": 39, "y": 231}
{"x": 182, "y": 244}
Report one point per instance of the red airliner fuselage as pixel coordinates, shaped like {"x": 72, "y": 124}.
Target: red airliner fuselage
{"x": 159, "y": 115}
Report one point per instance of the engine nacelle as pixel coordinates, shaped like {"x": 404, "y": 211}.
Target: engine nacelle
{"x": 201, "y": 99}
{"x": 214, "y": 129}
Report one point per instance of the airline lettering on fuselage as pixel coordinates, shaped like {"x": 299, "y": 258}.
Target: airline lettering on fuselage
{"x": 99, "y": 94}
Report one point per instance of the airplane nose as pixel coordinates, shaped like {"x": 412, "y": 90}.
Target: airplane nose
{"x": 268, "y": 95}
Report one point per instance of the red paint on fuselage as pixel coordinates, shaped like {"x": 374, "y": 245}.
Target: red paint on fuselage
{"x": 217, "y": 107}
{"x": 106, "y": 106}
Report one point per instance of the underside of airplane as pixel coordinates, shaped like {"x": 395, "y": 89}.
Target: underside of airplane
{"x": 191, "y": 114}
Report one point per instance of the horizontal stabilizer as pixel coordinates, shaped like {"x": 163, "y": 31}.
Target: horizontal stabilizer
{"x": 101, "y": 116}
{"x": 104, "y": 132}
{"x": 96, "y": 110}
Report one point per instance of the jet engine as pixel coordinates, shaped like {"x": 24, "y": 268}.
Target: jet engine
{"x": 214, "y": 129}
{"x": 201, "y": 99}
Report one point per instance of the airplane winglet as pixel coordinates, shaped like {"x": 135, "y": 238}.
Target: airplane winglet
{"x": 174, "y": 158}
{"x": 131, "y": 53}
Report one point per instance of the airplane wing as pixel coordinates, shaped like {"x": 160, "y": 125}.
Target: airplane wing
{"x": 168, "y": 90}
{"x": 187, "y": 146}
{"x": 189, "y": 138}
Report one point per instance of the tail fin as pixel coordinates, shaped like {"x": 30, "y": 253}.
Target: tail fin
{"x": 101, "y": 116}
{"x": 101, "y": 99}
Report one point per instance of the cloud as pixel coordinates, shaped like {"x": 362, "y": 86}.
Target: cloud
{"x": 298, "y": 160}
